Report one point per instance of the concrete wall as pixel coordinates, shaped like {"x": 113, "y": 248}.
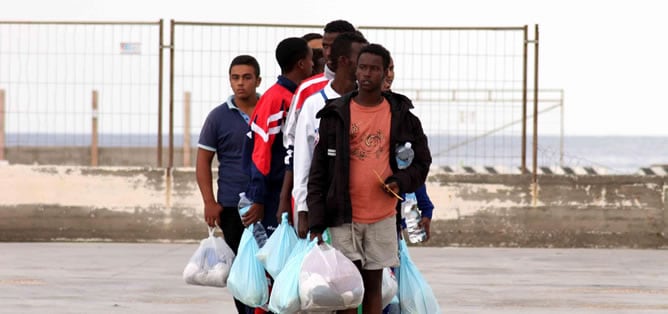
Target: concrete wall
{"x": 569, "y": 211}
{"x": 52, "y": 203}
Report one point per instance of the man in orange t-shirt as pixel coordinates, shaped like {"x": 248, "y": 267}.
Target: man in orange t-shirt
{"x": 354, "y": 181}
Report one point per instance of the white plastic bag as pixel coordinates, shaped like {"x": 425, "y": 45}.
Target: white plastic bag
{"x": 248, "y": 282}
{"x": 210, "y": 264}
{"x": 390, "y": 286}
{"x": 285, "y": 291}
{"x": 329, "y": 281}
{"x": 276, "y": 251}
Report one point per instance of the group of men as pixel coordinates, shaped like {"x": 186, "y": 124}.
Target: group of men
{"x": 320, "y": 146}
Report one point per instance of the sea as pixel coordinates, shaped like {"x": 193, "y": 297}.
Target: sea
{"x": 608, "y": 154}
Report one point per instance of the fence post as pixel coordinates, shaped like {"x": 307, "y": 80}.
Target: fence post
{"x": 94, "y": 143}
{"x": 665, "y": 208}
{"x": 186, "y": 129}
{"x": 561, "y": 130}
{"x": 525, "y": 49}
{"x": 534, "y": 179}
{"x": 170, "y": 162}
{"x": 160, "y": 65}
{"x": 2, "y": 124}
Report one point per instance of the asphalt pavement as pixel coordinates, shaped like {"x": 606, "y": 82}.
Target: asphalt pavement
{"x": 146, "y": 278}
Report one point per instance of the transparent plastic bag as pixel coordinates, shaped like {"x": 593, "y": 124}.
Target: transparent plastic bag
{"x": 329, "y": 281}
{"x": 276, "y": 251}
{"x": 390, "y": 286}
{"x": 415, "y": 294}
{"x": 285, "y": 291}
{"x": 210, "y": 264}
{"x": 247, "y": 281}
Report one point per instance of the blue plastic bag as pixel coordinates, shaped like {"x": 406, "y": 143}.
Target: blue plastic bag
{"x": 247, "y": 280}
{"x": 276, "y": 251}
{"x": 285, "y": 292}
{"x": 415, "y": 294}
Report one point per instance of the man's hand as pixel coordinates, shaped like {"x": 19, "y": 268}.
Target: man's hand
{"x": 392, "y": 188}
{"x": 283, "y": 207}
{"x": 255, "y": 213}
{"x": 425, "y": 223}
{"x": 302, "y": 225}
{"x": 316, "y": 235}
{"x": 212, "y": 212}
{"x": 285, "y": 198}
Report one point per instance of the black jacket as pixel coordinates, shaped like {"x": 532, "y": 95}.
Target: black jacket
{"x": 328, "y": 196}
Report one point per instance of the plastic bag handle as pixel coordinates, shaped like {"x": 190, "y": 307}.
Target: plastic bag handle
{"x": 212, "y": 230}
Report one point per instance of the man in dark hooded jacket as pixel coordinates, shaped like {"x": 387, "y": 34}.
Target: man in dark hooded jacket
{"x": 354, "y": 182}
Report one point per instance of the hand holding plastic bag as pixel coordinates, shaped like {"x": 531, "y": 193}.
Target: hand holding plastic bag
{"x": 210, "y": 264}
{"x": 415, "y": 294}
{"x": 329, "y": 281}
{"x": 285, "y": 291}
{"x": 247, "y": 281}
{"x": 276, "y": 251}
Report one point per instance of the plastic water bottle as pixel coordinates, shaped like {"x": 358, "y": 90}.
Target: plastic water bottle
{"x": 412, "y": 216}
{"x": 409, "y": 208}
{"x": 259, "y": 233}
{"x": 405, "y": 155}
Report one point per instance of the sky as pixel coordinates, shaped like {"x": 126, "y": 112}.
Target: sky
{"x": 610, "y": 58}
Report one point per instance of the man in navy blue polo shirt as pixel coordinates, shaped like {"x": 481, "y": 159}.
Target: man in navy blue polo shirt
{"x": 223, "y": 134}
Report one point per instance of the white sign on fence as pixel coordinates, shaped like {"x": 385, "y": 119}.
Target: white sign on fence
{"x": 130, "y": 48}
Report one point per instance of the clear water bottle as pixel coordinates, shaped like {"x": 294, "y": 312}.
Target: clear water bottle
{"x": 259, "y": 233}
{"x": 412, "y": 216}
{"x": 409, "y": 208}
{"x": 405, "y": 155}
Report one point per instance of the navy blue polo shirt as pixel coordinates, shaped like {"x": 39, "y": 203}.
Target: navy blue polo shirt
{"x": 224, "y": 133}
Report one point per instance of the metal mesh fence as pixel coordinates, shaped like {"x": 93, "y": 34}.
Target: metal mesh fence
{"x": 50, "y": 70}
{"x": 551, "y": 130}
{"x": 202, "y": 56}
{"x": 466, "y": 83}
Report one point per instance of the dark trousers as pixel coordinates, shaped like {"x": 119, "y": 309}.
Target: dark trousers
{"x": 271, "y": 200}
{"x": 230, "y": 223}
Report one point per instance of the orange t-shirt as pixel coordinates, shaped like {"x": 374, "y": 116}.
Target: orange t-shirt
{"x": 369, "y": 151}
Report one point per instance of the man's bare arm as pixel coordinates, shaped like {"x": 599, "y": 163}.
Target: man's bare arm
{"x": 204, "y": 176}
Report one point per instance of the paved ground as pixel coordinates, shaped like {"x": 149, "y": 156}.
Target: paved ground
{"x": 146, "y": 278}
